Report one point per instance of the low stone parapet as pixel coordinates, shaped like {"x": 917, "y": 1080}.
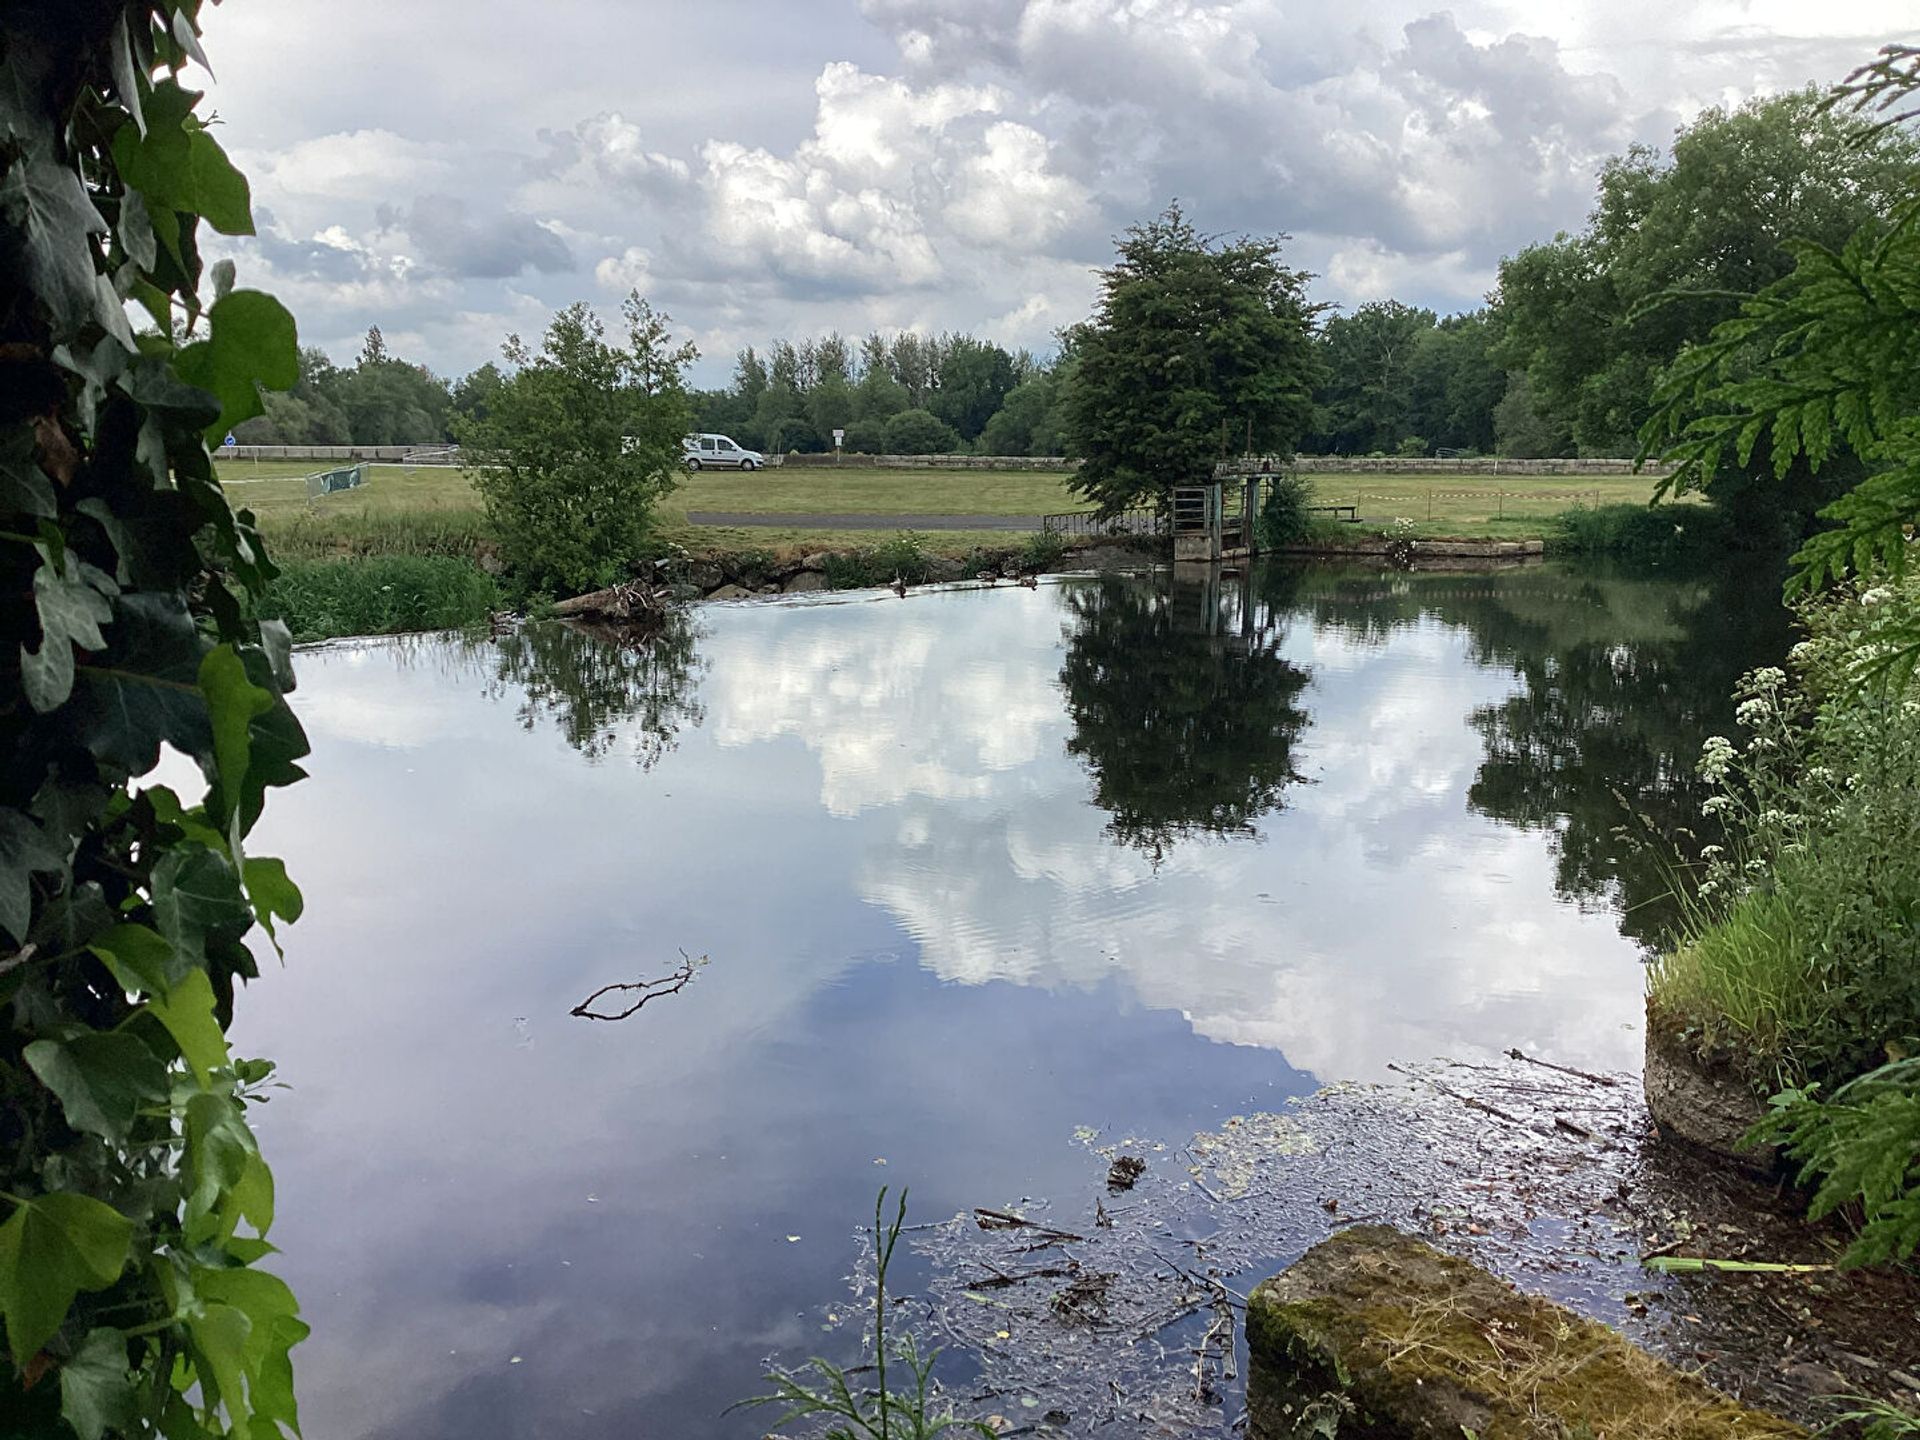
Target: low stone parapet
{"x": 1373, "y": 1335}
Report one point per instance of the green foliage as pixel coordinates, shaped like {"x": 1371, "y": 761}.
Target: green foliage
{"x": 1672, "y": 243}
{"x": 382, "y": 595}
{"x": 1366, "y": 401}
{"x": 1818, "y": 368}
{"x": 1860, "y": 1147}
{"x": 1877, "y": 1420}
{"x": 826, "y": 1394}
{"x": 135, "y": 1197}
{"x": 975, "y": 378}
{"x": 1194, "y": 346}
{"x": 1801, "y": 961}
{"x": 1041, "y": 551}
{"x": 1651, "y": 534}
{"x": 578, "y": 445}
{"x": 1285, "y": 518}
{"x": 919, "y": 432}
{"x": 903, "y": 557}
{"x": 1028, "y": 422}
{"x": 1522, "y": 429}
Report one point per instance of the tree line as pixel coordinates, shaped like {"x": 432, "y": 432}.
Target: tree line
{"x": 1560, "y": 361}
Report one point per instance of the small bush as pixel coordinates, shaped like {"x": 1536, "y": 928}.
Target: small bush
{"x": 920, "y": 432}
{"x": 388, "y": 595}
{"x": 1042, "y": 551}
{"x": 904, "y": 557}
{"x": 1656, "y": 535}
{"x": 1285, "y": 518}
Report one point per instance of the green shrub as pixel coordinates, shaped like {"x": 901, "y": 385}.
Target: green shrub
{"x": 387, "y": 595}
{"x": 578, "y": 444}
{"x": 920, "y": 432}
{"x": 1285, "y": 516}
{"x": 1042, "y": 551}
{"x": 1654, "y": 534}
{"x": 903, "y": 557}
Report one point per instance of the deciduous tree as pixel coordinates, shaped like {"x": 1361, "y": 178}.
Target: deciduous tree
{"x": 1194, "y": 344}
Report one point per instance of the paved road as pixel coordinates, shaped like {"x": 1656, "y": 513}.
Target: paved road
{"x": 865, "y": 522}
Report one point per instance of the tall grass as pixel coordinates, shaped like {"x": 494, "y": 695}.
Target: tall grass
{"x": 379, "y": 595}
{"x": 305, "y": 535}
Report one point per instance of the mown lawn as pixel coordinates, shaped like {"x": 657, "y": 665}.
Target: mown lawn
{"x": 395, "y": 497}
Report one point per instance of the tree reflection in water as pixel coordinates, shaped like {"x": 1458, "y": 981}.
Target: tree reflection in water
{"x": 1183, "y": 709}
{"x": 1621, "y": 677}
{"x": 599, "y": 686}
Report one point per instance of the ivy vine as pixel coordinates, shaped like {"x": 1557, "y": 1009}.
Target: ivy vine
{"x": 135, "y": 1198}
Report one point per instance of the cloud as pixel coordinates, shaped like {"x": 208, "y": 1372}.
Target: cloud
{"x": 965, "y": 163}
{"x": 451, "y": 240}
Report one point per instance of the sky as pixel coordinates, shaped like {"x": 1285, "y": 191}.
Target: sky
{"x": 456, "y": 170}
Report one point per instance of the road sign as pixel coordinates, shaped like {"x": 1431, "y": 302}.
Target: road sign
{"x": 838, "y": 437}
{"x": 229, "y": 442}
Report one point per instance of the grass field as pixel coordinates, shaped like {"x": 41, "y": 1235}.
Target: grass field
{"x": 437, "y": 502}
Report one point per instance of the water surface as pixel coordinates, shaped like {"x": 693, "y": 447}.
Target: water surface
{"x": 970, "y": 870}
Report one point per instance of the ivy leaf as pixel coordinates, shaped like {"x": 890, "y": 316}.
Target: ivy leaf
{"x": 144, "y": 688}
{"x": 101, "y": 1079}
{"x": 274, "y": 1328}
{"x": 219, "y": 1334}
{"x": 72, "y": 598}
{"x": 126, "y": 74}
{"x": 187, "y": 1012}
{"x": 136, "y": 232}
{"x": 136, "y": 957}
{"x": 24, "y": 849}
{"x": 48, "y": 208}
{"x": 24, "y": 488}
{"x": 96, "y": 1386}
{"x": 276, "y": 642}
{"x": 233, "y": 701}
{"x": 51, "y": 1248}
{"x": 274, "y": 896}
{"x": 252, "y": 342}
{"x": 178, "y": 165}
{"x": 197, "y": 901}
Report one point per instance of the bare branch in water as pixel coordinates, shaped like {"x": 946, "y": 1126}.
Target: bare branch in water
{"x": 646, "y": 990}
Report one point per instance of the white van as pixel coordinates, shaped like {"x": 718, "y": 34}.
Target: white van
{"x": 718, "y": 452}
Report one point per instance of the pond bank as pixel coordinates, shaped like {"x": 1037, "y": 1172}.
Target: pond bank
{"x": 1110, "y": 1306}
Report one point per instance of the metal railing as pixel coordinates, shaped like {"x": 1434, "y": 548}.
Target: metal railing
{"x": 1143, "y": 522}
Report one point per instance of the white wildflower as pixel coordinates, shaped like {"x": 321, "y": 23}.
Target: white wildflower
{"x": 1878, "y": 595}
{"x": 1714, "y": 804}
{"x": 1752, "y": 712}
{"x": 1768, "y": 677}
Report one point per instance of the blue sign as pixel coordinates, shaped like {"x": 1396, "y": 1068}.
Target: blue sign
{"x": 229, "y": 440}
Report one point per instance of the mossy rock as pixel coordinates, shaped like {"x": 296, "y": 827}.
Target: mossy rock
{"x": 1373, "y": 1335}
